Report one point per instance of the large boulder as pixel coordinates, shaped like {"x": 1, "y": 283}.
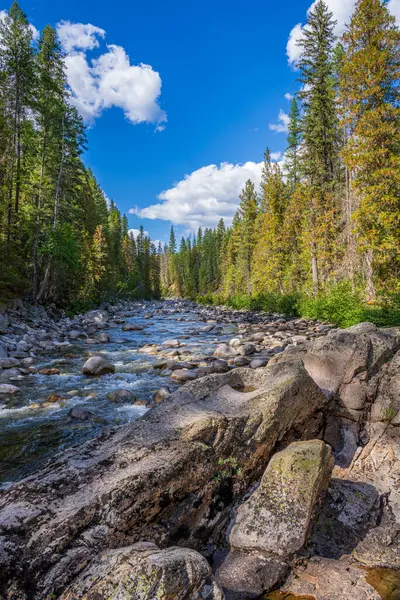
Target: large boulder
{"x": 9, "y": 363}
{"x": 183, "y": 375}
{"x": 9, "y": 390}
{"x": 99, "y": 317}
{"x": 275, "y": 522}
{"x": 247, "y": 575}
{"x": 342, "y": 362}
{"x": 225, "y": 351}
{"x": 132, "y": 327}
{"x": 278, "y": 516}
{"x": 97, "y": 365}
{"x": 142, "y": 571}
{"x": 172, "y": 476}
{"x": 359, "y": 368}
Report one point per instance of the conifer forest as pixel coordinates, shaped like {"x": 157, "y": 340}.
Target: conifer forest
{"x": 321, "y": 236}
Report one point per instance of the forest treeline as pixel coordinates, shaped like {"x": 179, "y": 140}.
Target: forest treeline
{"x": 323, "y": 232}
{"x": 61, "y": 240}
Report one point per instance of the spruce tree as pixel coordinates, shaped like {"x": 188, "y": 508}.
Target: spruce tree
{"x": 370, "y": 95}
{"x": 292, "y": 153}
{"x": 18, "y": 89}
{"x": 320, "y": 132}
{"x": 269, "y": 258}
{"x": 247, "y": 212}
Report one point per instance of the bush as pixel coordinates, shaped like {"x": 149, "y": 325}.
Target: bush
{"x": 344, "y": 306}
{"x": 341, "y": 305}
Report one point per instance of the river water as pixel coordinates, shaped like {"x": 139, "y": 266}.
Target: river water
{"x": 31, "y": 434}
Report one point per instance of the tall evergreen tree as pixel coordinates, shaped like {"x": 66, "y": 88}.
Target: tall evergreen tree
{"x": 247, "y": 212}
{"x": 269, "y": 252}
{"x": 320, "y": 131}
{"x": 370, "y": 100}
{"x": 18, "y": 91}
{"x": 294, "y": 144}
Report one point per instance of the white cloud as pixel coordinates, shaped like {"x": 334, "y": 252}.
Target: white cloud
{"x": 77, "y": 36}
{"x": 275, "y": 156}
{"x": 204, "y": 196}
{"x": 110, "y": 79}
{"x": 394, "y": 7}
{"x": 293, "y": 51}
{"x": 289, "y": 97}
{"x": 282, "y": 126}
{"x": 35, "y": 32}
{"x": 342, "y": 11}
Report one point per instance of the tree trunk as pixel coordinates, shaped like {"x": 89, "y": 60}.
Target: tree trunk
{"x": 12, "y": 170}
{"x": 60, "y": 175}
{"x": 38, "y": 224}
{"x": 45, "y": 282}
{"x": 315, "y": 273}
{"x": 18, "y": 173}
{"x": 369, "y": 275}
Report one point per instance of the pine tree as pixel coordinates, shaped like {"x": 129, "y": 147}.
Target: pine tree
{"x": 320, "y": 132}
{"x": 50, "y": 109}
{"x": 172, "y": 241}
{"x": 18, "y": 90}
{"x": 370, "y": 94}
{"x": 269, "y": 258}
{"x": 247, "y": 212}
{"x": 294, "y": 138}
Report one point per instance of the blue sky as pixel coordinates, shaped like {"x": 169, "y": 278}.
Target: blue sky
{"x": 216, "y": 80}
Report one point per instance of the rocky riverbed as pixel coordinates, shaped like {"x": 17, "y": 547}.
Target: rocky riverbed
{"x": 48, "y": 401}
{"x": 271, "y": 469}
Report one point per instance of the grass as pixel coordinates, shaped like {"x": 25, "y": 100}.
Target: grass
{"x": 341, "y": 305}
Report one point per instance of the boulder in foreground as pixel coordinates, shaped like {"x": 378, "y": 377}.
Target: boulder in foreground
{"x": 278, "y": 516}
{"x": 275, "y": 521}
{"x": 171, "y": 477}
{"x": 144, "y": 571}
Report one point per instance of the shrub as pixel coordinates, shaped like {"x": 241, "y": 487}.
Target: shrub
{"x": 340, "y": 304}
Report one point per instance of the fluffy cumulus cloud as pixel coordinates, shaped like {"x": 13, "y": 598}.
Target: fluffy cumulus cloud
{"x": 283, "y": 123}
{"x": 204, "y": 196}
{"x": 109, "y": 79}
{"x": 342, "y": 11}
{"x": 77, "y": 36}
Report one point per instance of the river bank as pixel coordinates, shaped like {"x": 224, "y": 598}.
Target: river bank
{"x": 237, "y": 483}
{"x": 47, "y": 403}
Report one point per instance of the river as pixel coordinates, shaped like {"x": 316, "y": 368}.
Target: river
{"x": 32, "y": 430}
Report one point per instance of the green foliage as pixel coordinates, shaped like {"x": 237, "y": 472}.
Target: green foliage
{"x": 229, "y": 468}
{"x": 340, "y": 305}
{"x": 344, "y": 306}
{"x": 320, "y": 238}
{"x": 59, "y": 239}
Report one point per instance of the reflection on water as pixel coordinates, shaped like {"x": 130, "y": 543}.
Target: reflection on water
{"x": 386, "y": 582}
{"x": 34, "y": 426}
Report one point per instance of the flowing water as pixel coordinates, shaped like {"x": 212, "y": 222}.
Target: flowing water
{"x": 30, "y": 434}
